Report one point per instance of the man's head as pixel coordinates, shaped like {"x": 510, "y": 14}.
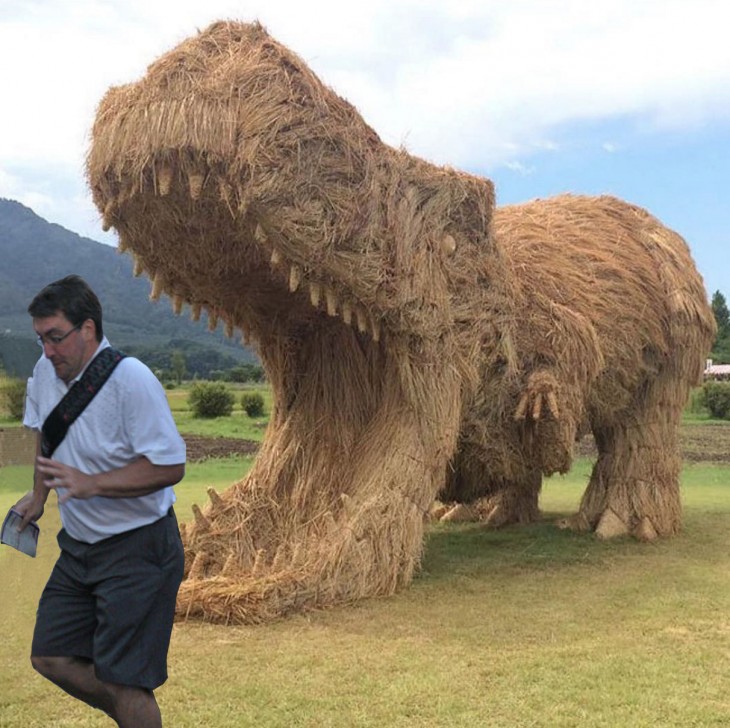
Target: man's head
{"x": 67, "y": 318}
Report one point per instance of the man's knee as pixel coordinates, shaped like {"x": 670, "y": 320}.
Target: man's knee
{"x": 49, "y": 667}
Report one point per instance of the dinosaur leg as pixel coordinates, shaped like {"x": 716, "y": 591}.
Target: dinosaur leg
{"x": 517, "y": 503}
{"x": 333, "y": 508}
{"x": 509, "y": 504}
{"x": 634, "y": 486}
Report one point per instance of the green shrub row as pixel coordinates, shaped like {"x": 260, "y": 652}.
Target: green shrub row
{"x": 252, "y": 404}
{"x": 12, "y": 395}
{"x": 214, "y": 399}
{"x": 716, "y": 397}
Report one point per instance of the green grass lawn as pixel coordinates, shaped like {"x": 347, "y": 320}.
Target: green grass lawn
{"x": 519, "y": 627}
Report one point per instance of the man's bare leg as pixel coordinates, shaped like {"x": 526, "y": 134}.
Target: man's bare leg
{"x": 77, "y": 678}
{"x": 130, "y": 707}
{"x": 134, "y": 707}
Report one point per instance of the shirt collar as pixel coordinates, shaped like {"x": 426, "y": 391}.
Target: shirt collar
{"x": 103, "y": 345}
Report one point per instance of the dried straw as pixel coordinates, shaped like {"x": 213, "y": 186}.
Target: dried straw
{"x": 613, "y": 330}
{"x": 391, "y": 324}
{"x": 366, "y": 277}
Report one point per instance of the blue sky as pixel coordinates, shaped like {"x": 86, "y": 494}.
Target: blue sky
{"x": 627, "y": 97}
{"x": 683, "y": 178}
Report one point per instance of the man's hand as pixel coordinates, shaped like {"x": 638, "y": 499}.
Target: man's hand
{"x": 31, "y": 507}
{"x": 57, "y": 475}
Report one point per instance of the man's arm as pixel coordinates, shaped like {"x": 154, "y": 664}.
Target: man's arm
{"x": 32, "y": 505}
{"x": 138, "y": 478}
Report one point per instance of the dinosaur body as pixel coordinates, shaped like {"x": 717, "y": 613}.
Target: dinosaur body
{"x": 612, "y": 329}
{"x": 388, "y": 315}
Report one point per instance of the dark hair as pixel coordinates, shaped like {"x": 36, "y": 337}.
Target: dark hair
{"x": 73, "y": 298}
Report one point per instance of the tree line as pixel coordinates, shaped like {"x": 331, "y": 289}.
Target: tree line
{"x": 721, "y": 348}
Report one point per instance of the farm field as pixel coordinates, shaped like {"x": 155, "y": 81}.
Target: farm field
{"x": 519, "y": 627}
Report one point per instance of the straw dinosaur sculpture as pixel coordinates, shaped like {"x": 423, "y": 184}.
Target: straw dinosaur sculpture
{"x": 414, "y": 345}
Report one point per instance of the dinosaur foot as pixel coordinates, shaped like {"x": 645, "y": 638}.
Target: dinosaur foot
{"x": 609, "y": 525}
{"x": 503, "y": 509}
{"x": 249, "y": 562}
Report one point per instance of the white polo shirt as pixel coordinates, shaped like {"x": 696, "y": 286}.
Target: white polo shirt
{"x": 129, "y": 417}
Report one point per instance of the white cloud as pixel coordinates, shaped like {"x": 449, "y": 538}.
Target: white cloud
{"x": 472, "y": 83}
{"x": 519, "y": 167}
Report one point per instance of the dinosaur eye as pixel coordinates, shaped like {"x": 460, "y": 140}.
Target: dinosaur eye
{"x": 448, "y": 244}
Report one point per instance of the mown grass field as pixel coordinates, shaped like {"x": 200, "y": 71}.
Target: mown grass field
{"x": 520, "y": 627}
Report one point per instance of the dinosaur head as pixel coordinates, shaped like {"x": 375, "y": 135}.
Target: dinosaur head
{"x": 246, "y": 188}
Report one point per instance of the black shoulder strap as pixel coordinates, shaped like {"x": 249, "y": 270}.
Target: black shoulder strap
{"x": 75, "y": 400}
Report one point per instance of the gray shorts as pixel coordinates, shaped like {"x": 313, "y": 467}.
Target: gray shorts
{"x": 113, "y": 603}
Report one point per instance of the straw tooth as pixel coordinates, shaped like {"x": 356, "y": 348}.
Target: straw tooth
{"x": 552, "y": 401}
{"x": 448, "y": 244}
{"x": 295, "y": 277}
{"x": 362, "y": 321}
{"x": 230, "y": 567}
{"x": 349, "y": 505}
{"x": 177, "y": 304}
{"x": 164, "y": 179}
{"x": 275, "y": 257}
{"x": 197, "y": 569}
{"x": 347, "y": 312}
{"x": 315, "y": 293}
{"x": 299, "y": 554}
{"x": 224, "y": 191}
{"x": 259, "y": 233}
{"x": 138, "y": 266}
{"x": 201, "y": 521}
{"x": 195, "y": 184}
{"x": 331, "y": 299}
{"x": 107, "y": 215}
{"x": 212, "y": 320}
{"x": 537, "y": 407}
{"x": 375, "y": 323}
{"x": 329, "y": 522}
{"x": 259, "y": 563}
{"x": 521, "y": 410}
{"x": 158, "y": 287}
{"x": 279, "y": 558}
{"x": 215, "y": 498}
{"x": 195, "y": 311}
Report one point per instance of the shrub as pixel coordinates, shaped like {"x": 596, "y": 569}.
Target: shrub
{"x": 13, "y": 397}
{"x": 717, "y": 399}
{"x": 210, "y": 399}
{"x": 252, "y": 403}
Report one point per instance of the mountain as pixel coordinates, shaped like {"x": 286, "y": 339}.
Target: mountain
{"x": 35, "y": 252}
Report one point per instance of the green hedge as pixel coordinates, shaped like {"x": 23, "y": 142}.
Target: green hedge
{"x": 210, "y": 399}
{"x": 12, "y": 393}
{"x": 252, "y": 404}
{"x": 717, "y": 399}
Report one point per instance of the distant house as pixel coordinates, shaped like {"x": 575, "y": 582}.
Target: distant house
{"x": 718, "y": 372}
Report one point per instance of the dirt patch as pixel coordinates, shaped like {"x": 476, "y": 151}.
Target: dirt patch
{"x": 700, "y": 443}
{"x": 202, "y": 448}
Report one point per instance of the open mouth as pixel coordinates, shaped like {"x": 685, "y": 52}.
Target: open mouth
{"x": 240, "y": 271}
{"x": 247, "y": 190}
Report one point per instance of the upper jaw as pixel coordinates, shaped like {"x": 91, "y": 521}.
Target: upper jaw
{"x": 242, "y": 185}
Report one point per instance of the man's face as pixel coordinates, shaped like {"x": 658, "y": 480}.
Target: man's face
{"x": 68, "y": 347}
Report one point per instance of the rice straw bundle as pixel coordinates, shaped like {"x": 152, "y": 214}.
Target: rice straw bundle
{"x": 614, "y": 328}
{"x": 393, "y": 327}
{"x": 367, "y": 278}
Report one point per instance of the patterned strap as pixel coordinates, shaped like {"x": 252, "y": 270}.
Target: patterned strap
{"x": 77, "y": 398}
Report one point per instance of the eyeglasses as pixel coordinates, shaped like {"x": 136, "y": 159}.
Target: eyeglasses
{"x": 55, "y": 339}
